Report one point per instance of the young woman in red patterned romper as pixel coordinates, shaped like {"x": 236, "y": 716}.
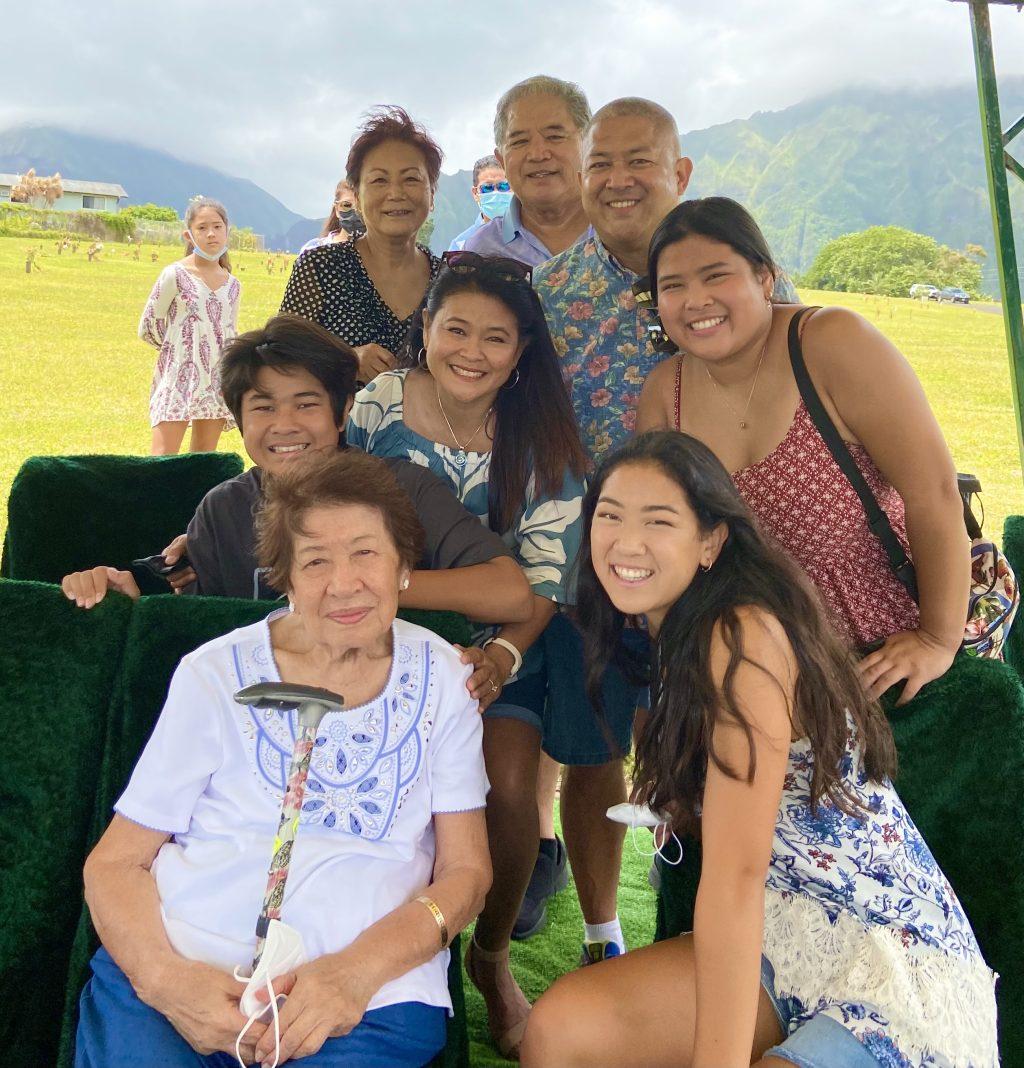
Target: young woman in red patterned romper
{"x": 732, "y": 386}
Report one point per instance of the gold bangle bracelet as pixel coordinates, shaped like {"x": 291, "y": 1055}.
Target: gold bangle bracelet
{"x": 438, "y": 917}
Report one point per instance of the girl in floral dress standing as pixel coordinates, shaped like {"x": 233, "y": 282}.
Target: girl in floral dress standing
{"x": 191, "y": 313}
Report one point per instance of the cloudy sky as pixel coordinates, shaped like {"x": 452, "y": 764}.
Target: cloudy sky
{"x": 272, "y": 91}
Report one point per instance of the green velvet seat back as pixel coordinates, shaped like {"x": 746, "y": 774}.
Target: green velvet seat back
{"x": 68, "y": 513}
{"x": 161, "y": 631}
{"x": 961, "y": 750}
{"x": 58, "y": 671}
{"x": 1013, "y": 549}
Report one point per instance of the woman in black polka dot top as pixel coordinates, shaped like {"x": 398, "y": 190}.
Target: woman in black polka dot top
{"x": 369, "y": 290}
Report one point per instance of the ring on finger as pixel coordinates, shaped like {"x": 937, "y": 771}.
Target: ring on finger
{"x": 494, "y": 686}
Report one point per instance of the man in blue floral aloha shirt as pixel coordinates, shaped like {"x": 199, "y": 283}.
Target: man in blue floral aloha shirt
{"x": 633, "y": 175}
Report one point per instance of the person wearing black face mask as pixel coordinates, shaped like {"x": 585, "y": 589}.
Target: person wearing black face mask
{"x": 343, "y": 223}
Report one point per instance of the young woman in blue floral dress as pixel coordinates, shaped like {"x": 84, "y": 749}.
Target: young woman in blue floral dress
{"x": 825, "y": 934}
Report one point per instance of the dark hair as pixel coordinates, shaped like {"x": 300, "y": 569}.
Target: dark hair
{"x": 390, "y": 123}
{"x": 287, "y": 343}
{"x": 321, "y": 480}
{"x": 483, "y": 164}
{"x": 535, "y": 428}
{"x": 332, "y": 224}
{"x": 674, "y": 748}
{"x": 195, "y": 206}
{"x": 718, "y": 218}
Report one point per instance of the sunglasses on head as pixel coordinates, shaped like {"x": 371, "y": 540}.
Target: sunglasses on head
{"x": 494, "y": 187}
{"x": 501, "y": 267}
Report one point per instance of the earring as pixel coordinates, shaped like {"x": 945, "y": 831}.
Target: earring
{"x": 404, "y": 584}
{"x": 421, "y": 357}
{"x": 512, "y": 382}
{"x": 291, "y": 605}
{"x": 706, "y": 567}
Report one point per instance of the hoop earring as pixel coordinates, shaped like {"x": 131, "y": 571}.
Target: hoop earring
{"x": 706, "y": 567}
{"x": 512, "y": 382}
{"x": 421, "y": 357}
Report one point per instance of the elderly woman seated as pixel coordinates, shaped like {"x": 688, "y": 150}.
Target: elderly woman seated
{"x": 391, "y": 852}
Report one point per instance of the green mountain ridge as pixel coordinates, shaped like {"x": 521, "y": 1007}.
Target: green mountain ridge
{"x": 825, "y": 167}
{"x": 859, "y": 158}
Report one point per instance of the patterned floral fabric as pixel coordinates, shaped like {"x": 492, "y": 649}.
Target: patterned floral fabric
{"x": 545, "y": 538}
{"x": 803, "y": 499}
{"x": 600, "y": 336}
{"x": 862, "y": 925}
{"x": 189, "y": 323}
{"x": 364, "y": 760}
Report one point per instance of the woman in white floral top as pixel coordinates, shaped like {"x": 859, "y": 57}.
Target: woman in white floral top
{"x": 825, "y": 935}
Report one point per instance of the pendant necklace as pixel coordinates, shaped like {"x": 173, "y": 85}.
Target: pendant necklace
{"x": 742, "y": 419}
{"x": 460, "y": 457}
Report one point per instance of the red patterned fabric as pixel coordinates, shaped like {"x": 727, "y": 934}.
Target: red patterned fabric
{"x": 801, "y": 497}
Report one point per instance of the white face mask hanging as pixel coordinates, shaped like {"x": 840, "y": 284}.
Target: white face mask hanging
{"x": 637, "y": 816}
{"x": 213, "y": 257}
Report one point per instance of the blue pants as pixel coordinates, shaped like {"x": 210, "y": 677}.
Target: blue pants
{"x": 117, "y": 1030}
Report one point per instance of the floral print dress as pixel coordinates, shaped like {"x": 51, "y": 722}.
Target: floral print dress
{"x": 189, "y": 323}
{"x": 862, "y": 926}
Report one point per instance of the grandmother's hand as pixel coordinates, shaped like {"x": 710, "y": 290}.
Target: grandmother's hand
{"x": 88, "y": 588}
{"x": 326, "y": 998}
{"x": 373, "y": 360}
{"x": 914, "y": 655}
{"x": 491, "y": 669}
{"x": 201, "y": 1004}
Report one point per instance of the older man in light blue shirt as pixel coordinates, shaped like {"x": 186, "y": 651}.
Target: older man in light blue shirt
{"x": 538, "y": 129}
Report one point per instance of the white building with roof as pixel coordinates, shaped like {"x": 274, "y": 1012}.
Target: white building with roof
{"x": 78, "y": 196}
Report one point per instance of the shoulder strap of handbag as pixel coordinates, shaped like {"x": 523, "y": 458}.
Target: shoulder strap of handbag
{"x": 878, "y": 521}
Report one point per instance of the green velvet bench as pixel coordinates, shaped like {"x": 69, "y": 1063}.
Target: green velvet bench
{"x": 69, "y": 513}
{"x": 961, "y": 753}
{"x": 103, "y": 676}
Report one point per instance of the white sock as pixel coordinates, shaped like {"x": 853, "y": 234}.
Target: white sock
{"x": 605, "y": 932}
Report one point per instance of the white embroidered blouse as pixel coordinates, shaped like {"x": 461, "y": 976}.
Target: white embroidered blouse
{"x": 213, "y": 774}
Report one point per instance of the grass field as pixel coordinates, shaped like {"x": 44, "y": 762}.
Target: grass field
{"x": 76, "y": 380}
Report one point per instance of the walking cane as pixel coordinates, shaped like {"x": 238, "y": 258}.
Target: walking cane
{"x": 313, "y": 704}
{"x": 283, "y": 944}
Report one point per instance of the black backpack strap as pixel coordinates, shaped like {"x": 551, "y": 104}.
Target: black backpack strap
{"x": 878, "y": 521}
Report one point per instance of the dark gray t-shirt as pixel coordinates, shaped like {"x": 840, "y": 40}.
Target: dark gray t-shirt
{"x": 222, "y": 538}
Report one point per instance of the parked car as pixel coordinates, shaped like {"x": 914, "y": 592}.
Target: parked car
{"x": 954, "y": 295}
{"x": 924, "y": 291}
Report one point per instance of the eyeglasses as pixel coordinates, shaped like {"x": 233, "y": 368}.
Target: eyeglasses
{"x": 501, "y": 267}
{"x": 494, "y": 187}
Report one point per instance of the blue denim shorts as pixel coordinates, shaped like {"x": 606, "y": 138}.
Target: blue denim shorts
{"x": 821, "y": 1042}
{"x": 522, "y": 700}
{"x": 573, "y": 733}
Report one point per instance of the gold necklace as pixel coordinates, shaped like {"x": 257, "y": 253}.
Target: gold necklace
{"x": 742, "y": 419}
{"x": 460, "y": 457}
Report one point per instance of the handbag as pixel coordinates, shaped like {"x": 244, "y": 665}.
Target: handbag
{"x": 994, "y": 597}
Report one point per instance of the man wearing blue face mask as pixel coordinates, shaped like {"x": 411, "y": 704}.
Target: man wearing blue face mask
{"x": 492, "y": 194}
